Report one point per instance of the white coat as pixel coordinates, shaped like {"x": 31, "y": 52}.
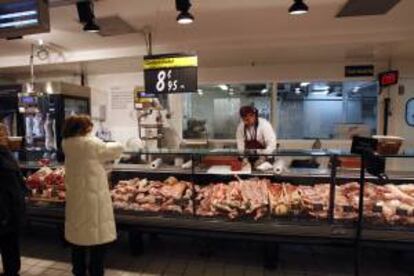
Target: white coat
{"x": 89, "y": 215}
{"x": 265, "y": 135}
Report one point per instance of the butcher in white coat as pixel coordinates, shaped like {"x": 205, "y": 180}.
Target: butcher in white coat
{"x": 89, "y": 220}
{"x": 254, "y": 133}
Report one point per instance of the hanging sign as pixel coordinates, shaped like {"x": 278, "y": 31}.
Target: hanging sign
{"x": 388, "y": 78}
{"x": 359, "y": 71}
{"x": 170, "y": 73}
{"x": 142, "y": 99}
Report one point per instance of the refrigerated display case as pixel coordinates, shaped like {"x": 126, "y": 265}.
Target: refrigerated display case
{"x": 388, "y": 213}
{"x": 44, "y": 112}
{"x": 331, "y": 205}
{"x": 296, "y": 202}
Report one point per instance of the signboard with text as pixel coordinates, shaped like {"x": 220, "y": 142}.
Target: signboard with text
{"x": 359, "y": 71}
{"x": 142, "y": 99}
{"x": 170, "y": 73}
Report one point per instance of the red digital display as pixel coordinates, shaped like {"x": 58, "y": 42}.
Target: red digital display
{"x": 388, "y": 78}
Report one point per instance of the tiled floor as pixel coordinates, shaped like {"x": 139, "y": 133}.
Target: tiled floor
{"x": 44, "y": 255}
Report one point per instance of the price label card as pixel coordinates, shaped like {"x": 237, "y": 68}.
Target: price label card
{"x": 170, "y": 73}
{"x": 317, "y": 207}
{"x": 377, "y": 209}
{"x": 401, "y": 212}
{"x": 347, "y": 209}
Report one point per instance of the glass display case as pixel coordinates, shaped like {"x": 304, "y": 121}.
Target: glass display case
{"x": 285, "y": 194}
{"x": 388, "y": 202}
{"x": 44, "y": 113}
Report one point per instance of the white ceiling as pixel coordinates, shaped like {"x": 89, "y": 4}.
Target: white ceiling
{"x": 225, "y": 33}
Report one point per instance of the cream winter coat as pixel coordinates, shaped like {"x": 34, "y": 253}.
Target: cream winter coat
{"x": 89, "y": 214}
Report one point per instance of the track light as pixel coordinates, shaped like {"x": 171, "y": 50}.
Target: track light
{"x": 87, "y": 16}
{"x": 184, "y": 17}
{"x": 298, "y": 8}
{"x": 91, "y": 27}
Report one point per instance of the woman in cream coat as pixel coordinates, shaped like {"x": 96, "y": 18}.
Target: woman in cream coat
{"x": 89, "y": 220}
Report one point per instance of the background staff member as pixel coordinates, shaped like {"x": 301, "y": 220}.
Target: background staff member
{"x": 254, "y": 133}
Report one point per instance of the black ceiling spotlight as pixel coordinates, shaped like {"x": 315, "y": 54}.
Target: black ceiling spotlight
{"x": 184, "y": 17}
{"x": 298, "y": 8}
{"x": 91, "y": 27}
{"x": 87, "y": 16}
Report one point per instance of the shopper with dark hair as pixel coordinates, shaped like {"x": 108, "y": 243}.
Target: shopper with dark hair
{"x": 254, "y": 133}
{"x": 12, "y": 190}
{"x": 89, "y": 220}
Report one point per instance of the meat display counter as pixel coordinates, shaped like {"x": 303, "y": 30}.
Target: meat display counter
{"x": 253, "y": 196}
{"x": 219, "y": 192}
{"x": 388, "y": 205}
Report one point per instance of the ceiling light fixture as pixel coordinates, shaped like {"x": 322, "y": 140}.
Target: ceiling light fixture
{"x": 91, "y": 27}
{"x": 264, "y": 91}
{"x": 298, "y": 8}
{"x": 184, "y": 17}
{"x": 321, "y": 92}
{"x": 87, "y": 16}
{"x": 224, "y": 87}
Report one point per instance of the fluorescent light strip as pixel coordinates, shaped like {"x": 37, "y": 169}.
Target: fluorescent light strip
{"x": 18, "y": 14}
{"x": 19, "y": 23}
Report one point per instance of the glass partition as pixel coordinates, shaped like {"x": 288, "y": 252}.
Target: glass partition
{"x": 213, "y": 112}
{"x": 326, "y": 110}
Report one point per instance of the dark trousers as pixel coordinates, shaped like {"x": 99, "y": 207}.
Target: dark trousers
{"x": 10, "y": 253}
{"x": 88, "y": 258}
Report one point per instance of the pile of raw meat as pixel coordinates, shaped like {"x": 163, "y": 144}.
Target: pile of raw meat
{"x": 236, "y": 199}
{"x": 391, "y": 204}
{"x": 253, "y": 198}
{"x": 286, "y": 199}
{"x": 259, "y": 198}
{"x": 47, "y": 183}
{"x": 170, "y": 195}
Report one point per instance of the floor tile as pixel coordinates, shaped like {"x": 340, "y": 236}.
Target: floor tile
{"x": 45, "y": 263}
{"x": 233, "y": 270}
{"x": 214, "y": 270}
{"x": 195, "y": 268}
{"x": 36, "y": 270}
{"x": 62, "y": 266}
{"x": 131, "y": 274}
{"x": 169, "y": 255}
{"x": 253, "y": 272}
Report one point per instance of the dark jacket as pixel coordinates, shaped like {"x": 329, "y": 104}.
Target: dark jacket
{"x": 12, "y": 190}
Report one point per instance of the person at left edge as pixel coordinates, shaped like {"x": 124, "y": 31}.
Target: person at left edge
{"x": 89, "y": 215}
{"x": 12, "y": 190}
